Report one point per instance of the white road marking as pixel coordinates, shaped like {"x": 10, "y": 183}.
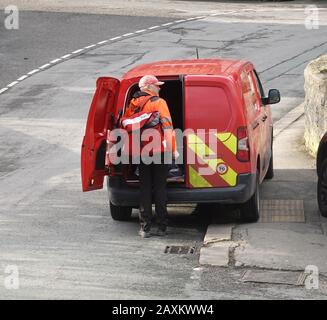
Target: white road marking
{"x": 56, "y": 60}
{"x": 127, "y": 34}
{"x": 66, "y": 56}
{"x": 91, "y": 46}
{"x": 45, "y": 66}
{"x": 116, "y": 38}
{"x": 179, "y": 21}
{"x": 12, "y": 84}
{"x": 33, "y": 71}
{"x": 102, "y": 42}
{"x": 22, "y": 78}
{"x": 140, "y": 31}
{"x": 77, "y": 51}
{"x": 3, "y": 90}
{"x": 167, "y": 24}
{"x": 154, "y": 27}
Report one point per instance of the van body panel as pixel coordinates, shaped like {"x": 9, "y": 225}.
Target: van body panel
{"x": 100, "y": 119}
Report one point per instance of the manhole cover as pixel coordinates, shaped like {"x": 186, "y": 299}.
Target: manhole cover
{"x": 274, "y": 277}
{"x": 282, "y": 211}
{"x": 180, "y": 249}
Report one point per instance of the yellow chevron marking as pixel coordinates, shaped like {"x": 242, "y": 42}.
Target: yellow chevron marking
{"x": 202, "y": 150}
{"x": 229, "y": 140}
{"x": 196, "y": 180}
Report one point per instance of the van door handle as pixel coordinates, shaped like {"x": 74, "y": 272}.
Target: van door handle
{"x": 264, "y": 118}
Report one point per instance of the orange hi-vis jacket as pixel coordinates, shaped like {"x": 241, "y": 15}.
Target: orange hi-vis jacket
{"x": 153, "y": 105}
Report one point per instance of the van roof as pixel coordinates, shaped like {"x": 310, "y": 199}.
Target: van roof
{"x": 187, "y": 67}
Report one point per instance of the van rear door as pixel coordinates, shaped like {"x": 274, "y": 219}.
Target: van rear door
{"x": 211, "y": 124}
{"x": 100, "y": 119}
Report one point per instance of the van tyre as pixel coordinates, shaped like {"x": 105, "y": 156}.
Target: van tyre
{"x": 250, "y": 210}
{"x": 119, "y": 213}
{"x": 322, "y": 189}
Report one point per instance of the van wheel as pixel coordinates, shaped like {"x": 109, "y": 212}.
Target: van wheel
{"x": 250, "y": 210}
{"x": 270, "y": 172}
{"x": 322, "y": 189}
{"x": 119, "y": 213}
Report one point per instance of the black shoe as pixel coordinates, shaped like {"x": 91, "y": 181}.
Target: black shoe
{"x": 144, "y": 234}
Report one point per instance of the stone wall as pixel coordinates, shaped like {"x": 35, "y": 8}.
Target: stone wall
{"x": 315, "y": 104}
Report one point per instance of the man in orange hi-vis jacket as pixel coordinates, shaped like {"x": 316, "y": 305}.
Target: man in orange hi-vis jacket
{"x": 153, "y": 176}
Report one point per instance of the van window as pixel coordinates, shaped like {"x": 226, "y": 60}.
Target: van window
{"x": 259, "y": 85}
{"x": 249, "y": 93}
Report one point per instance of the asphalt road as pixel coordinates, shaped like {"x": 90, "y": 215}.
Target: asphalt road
{"x": 63, "y": 241}
{"x": 45, "y": 36}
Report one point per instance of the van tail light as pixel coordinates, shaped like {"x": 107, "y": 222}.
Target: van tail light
{"x": 243, "y": 148}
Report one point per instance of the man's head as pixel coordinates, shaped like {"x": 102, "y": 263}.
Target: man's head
{"x": 151, "y": 83}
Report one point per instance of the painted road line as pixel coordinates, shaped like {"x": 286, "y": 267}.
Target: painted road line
{"x": 33, "y": 71}
{"x": 45, "y": 66}
{"x": 167, "y": 24}
{"x": 91, "y": 46}
{"x": 116, "y": 38}
{"x": 12, "y": 84}
{"x": 22, "y": 78}
{"x": 102, "y": 42}
{"x": 55, "y": 61}
{"x": 127, "y": 34}
{"x": 77, "y": 51}
{"x": 66, "y": 56}
{"x": 179, "y": 21}
{"x": 154, "y": 27}
{"x": 140, "y": 31}
{"x": 3, "y": 90}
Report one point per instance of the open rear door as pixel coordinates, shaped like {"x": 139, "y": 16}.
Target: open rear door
{"x": 100, "y": 119}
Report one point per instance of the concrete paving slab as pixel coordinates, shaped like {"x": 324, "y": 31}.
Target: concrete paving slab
{"x": 216, "y": 233}
{"x": 216, "y": 255}
{"x": 283, "y": 249}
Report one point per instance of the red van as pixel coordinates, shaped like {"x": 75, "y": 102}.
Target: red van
{"x": 204, "y": 94}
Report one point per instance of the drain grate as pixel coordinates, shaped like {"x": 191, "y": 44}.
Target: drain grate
{"x": 282, "y": 211}
{"x": 180, "y": 249}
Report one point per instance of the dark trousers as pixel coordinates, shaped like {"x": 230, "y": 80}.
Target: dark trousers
{"x": 153, "y": 182}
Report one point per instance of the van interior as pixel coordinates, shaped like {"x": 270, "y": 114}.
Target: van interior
{"x": 172, "y": 92}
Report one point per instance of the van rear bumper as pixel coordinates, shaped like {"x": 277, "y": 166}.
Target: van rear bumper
{"x": 121, "y": 194}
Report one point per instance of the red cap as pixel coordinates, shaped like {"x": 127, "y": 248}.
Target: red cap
{"x": 149, "y": 79}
